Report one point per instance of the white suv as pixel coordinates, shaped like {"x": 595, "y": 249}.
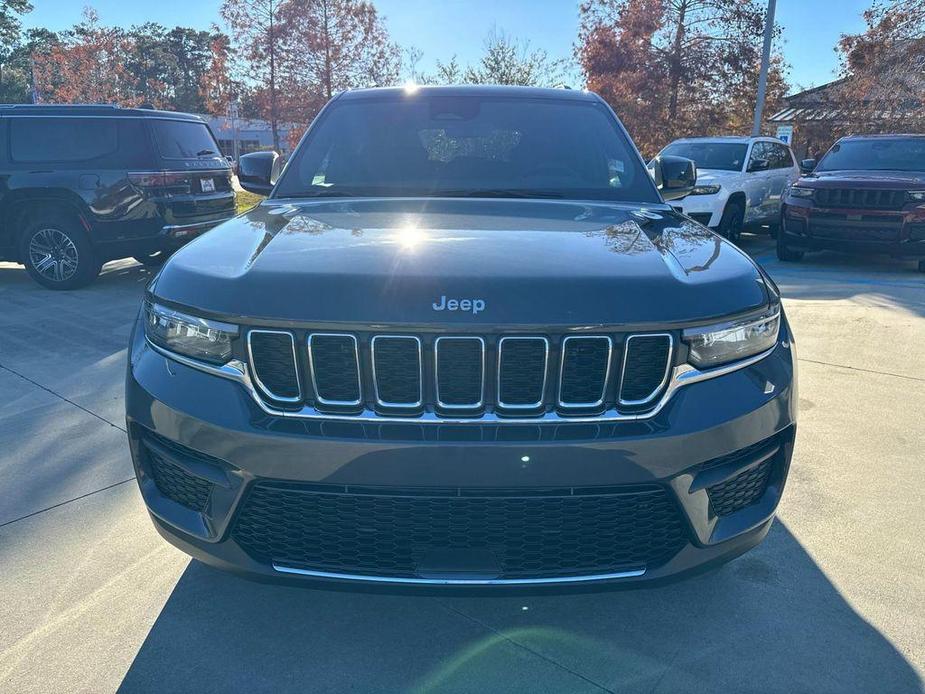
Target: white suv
{"x": 740, "y": 181}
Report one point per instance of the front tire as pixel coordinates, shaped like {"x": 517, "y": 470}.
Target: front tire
{"x": 785, "y": 252}
{"x": 57, "y": 253}
{"x": 732, "y": 221}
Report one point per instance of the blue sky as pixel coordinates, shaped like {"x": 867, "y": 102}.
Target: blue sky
{"x": 441, "y": 28}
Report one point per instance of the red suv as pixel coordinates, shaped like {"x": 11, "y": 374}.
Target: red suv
{"x": 867, "y": 195}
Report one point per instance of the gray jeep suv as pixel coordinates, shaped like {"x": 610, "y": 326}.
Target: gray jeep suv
{"x": 464, "y": 342}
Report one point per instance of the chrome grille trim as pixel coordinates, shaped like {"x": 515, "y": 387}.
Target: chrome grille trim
{"x": 681, "y": 375}
{"x": 356, "y": 358}
{"x": 366, "y": 578}
{"x": 295, "y": 364}
{"x": 372, "y": 354}
{"x": 599, "y": 401}
{"x": 668, "y": 360}
{"x": 442, "y": 405}
{"x": 529, "y": 406}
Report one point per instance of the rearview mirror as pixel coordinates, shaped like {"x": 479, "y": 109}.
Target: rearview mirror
{"x": 807, "y": 166}
{"x": 674, "y": 177}
{"x": 258, "y": 171}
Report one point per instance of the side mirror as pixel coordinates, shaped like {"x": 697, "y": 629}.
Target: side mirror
{"x": 674, "y": 177}
{"x": 807, "y": 166}
{"x": 759, "y": 165}
{"x": 258, "y": 171}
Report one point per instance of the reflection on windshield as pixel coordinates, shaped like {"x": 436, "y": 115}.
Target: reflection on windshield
{"x": 880, "y": 154}
{"x": 467, "y": 146}
{"x": 725, "y": 156}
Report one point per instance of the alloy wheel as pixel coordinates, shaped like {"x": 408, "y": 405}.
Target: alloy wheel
{"x": 53, "y": 255}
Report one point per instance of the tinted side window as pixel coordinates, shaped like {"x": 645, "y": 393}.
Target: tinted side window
{"x": 62, "y": 139}
{"x": 760, "y": 150}
{"x": 178, "y": 139}
{"x": 780, "y": 157}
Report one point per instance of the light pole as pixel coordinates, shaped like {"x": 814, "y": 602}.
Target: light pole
{"x": 765, "y": 60}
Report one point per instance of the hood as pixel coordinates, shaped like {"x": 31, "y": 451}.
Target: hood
{"x": 715, "y": 175}
{"x": 913, "y": 180}
{"x": 529, "y": 262}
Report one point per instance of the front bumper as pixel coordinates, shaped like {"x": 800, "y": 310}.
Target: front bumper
{"x": 710, "y": 436}
{"x": 899, "y": 233}
{"x": 704, "y": 209}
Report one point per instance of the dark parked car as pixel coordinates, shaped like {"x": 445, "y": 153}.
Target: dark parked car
{"x": 81, "y": 185}
{"x": 866, "y": 195}
{"x": 464, "y": 342}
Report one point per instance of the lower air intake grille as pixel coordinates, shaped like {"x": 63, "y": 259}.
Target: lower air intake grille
{"x": 375, "y": 532}
{"x": 645, "y": 366}
{"x": 177, "y": 484}
{"x": 273, "y": 360}
{"x": 742, "y": 490}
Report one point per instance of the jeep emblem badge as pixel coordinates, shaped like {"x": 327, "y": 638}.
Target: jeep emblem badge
{"x": 473, "y": 306}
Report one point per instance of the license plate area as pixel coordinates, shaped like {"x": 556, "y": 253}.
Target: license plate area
{"x": 207, "y": 185}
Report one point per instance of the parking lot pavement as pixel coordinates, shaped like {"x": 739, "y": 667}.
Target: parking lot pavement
{"x": 95, "y": 601}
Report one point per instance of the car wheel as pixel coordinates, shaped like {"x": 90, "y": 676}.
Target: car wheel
{"x": 732, "y": 221}
{"x": 785, "y": 253}
{"x": 57, "y": 254}
{"x": 155, "y": 259}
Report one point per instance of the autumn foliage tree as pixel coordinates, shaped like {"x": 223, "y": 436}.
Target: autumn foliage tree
{"x": 672, "y": 68}
{"x": 87, "y": 66}
{"x": 883, "y": 71}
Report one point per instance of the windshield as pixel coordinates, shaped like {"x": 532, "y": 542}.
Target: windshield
{"x": 177, "y": 139}
{"x": 422, "y": 145}
{"x": 894, "y": 154}
{"x": 725, "y": 156}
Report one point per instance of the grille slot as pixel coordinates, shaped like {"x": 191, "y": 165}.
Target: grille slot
{"x": 646, "y": 363}
{"x": 460, "y": 372}
{"x": 388, "y": 533}
{"x": 860, "y": 198}
{"x": 397, "y": 370}
{"x": 522, "y": 371}
{"x": 274, "y": 364}
{"x": 335, "y": 367}
{"x": 742, "y": 490}
{"x": 584, "y": 370}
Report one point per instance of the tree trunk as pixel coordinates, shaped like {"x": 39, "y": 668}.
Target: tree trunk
{"x": 327, "y": 50}
{"x": 271, "y": 36}
{"x": 675, "y": 63}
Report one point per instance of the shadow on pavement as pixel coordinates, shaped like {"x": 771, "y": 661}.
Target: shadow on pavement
{"x": 827, "y": 275}
{"x": 769, "y": 622}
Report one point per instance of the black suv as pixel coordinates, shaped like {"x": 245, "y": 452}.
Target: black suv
{"x": 81, "y": 185}
{"x": 464, "y": 342}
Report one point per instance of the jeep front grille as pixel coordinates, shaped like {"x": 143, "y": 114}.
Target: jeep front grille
{"x": 860, "y": 198}
{"x": 461, "y": 375}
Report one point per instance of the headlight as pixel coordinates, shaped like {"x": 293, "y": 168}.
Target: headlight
{"x": 798, "y": 192}
{"x": 916, "y": 195}
{"x": 714, "y": 345}
{"x": 705, "y": 190}
{"x": 188, "y": 335}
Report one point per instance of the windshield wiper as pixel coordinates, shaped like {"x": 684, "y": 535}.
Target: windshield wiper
{"x": 495, "y": 193}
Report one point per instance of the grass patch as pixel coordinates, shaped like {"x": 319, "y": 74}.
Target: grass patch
{"x": 245, "y": 200}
